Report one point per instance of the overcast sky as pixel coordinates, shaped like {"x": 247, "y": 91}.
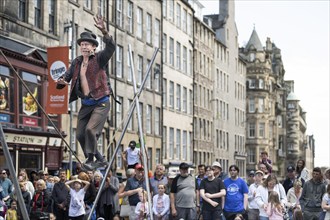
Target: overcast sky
{"x": 300, "y": 28}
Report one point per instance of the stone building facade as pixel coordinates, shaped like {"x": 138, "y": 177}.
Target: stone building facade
{"x": 177, "y": 56}
{"x": 205, "y": 100}
{"x": 228, "y": 100}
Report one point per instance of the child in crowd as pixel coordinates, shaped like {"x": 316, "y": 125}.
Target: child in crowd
{"x": 26, "y": 195}
{"x": 12, "y": 212}
{"x": 274, "y": 207}
{"x": 77, "y": 192}
{"x": 161, "y": 204}
{"x": 141, "y": 209}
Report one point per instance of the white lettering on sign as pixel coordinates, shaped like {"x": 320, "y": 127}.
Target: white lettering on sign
{"x": 57, "y": 98}
{"x": 57, "y": 69}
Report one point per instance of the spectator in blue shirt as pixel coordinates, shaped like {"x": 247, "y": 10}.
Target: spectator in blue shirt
{"x": 236, "y": 199}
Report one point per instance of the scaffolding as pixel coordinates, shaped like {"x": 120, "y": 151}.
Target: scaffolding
{"x": 135, "y": 103}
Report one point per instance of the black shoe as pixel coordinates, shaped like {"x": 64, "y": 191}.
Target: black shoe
{"x": 88, "y": 165}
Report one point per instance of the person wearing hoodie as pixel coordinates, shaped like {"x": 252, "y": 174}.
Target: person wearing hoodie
{"x": 311, "y": 197}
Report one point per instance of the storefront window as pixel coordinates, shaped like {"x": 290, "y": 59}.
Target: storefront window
{"x": 30, "y": 113}
{"x": 29, "y": 161}
{"x": 6, "y": 95}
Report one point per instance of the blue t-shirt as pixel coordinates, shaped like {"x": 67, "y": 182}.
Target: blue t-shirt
{"x": 235, "y": 190}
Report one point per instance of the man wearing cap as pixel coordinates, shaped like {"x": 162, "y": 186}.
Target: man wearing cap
{"x": 291, "y": 177}
{"x": 90, "y": 82}
{"x": 218, "y": 171}
{"x": 183, "y": 195}
{"x": 132, "y": 155}
{"x": 250, "y": 179}
{"x": 133, "y": 186}
{"x": 253, "y": 213}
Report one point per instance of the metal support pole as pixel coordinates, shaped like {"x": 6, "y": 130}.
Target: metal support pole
{"x": 130, "y": 113}
{"x": 39, "y": 105}
{"x": 11, "y": 168}
{"x": 73, "y": 45}
{"x": 143, "y": 149}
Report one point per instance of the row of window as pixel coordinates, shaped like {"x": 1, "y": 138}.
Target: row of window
{"x": 222, "y": 81}
{"x": 176, "y": 144}
{"x": 239, "y": 117}
{"x": 203, "y": 96}
{"x": 261, "y": 128}
{"x": 260, "y": 108}
{"x": 222, "y": 139}
{"x": 183, "y": 56}
{"x": 150, "y": 117}
{"x": 149, "y": 27}
{"x": 153, "y": 80}
{"x": 239, "y": 91}
{"x": 203, "y": 157}
{"x": 180, "y": 98}
{"x": 41, "y": 9}
{"x": 205, "y": 64}
{"x": 239, "y": 143}
{"x": 222, "y": 110}
{"x": 203, "y": 129}
{"x": 259, "y": 84}
{"x": 178, "y": 15}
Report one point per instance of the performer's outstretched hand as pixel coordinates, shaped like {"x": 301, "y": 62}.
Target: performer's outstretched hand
{"x": 99, "y": 23}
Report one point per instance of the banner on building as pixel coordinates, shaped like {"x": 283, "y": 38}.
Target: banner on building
{"x": 57, "y": 99}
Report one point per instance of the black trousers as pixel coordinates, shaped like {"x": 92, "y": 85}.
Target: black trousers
{"x": 91, "y": 120}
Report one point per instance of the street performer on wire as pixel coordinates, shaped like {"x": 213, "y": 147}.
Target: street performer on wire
{"x": 90, "y": 83}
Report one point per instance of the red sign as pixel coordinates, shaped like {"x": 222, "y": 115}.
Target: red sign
{"x": 57, "y": 99}
{"x": 30, "y": 121}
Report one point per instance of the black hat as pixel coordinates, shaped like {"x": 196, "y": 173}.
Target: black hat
{"x": 132, "y": 144}
{"x": 88, "y": 36}
{"x": 290, "y": 168}
{"x": 183, "y": 166}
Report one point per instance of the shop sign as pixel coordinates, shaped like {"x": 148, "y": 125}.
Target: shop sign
{"x": 30, "y": 121}
{"x": 25, "y": 139}
{"x": 4, "y": 118}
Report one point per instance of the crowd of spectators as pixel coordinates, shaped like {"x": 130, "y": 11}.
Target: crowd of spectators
{"x": 211, "y": 194}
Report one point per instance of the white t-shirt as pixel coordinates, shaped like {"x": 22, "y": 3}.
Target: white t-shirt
{"x": 133, "y": 156}
{"x": 138, "y": 207}
{"x": 326, "y": 199}
{"x": 77, "y": 207}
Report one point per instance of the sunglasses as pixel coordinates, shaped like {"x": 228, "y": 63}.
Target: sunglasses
{"x": 4, "y": 173}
